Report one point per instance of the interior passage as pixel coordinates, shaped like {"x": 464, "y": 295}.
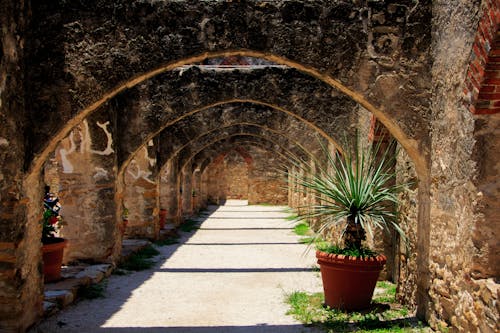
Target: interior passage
{"x": 230, "y": 275}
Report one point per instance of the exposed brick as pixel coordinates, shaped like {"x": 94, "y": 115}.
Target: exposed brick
{"x": 487, "y": 110}
{"x": 488, "y": 89}
{"x": 493, "y": 81}
{"x": 489, "y": 96}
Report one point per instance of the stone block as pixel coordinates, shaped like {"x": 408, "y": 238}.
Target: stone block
{"x": 49, "y": 308}
{"x": 69, "y": 284}
{"x": 60, "y": 297}
{"x": 95, "y": 272}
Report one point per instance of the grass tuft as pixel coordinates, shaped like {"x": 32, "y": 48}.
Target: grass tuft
{"x": 380, "y": 318}
{"x": 167, "y": 241}
{"x": 189, "y": 225}
{"x": 141, "y": 260}
{"x": 302, "y": 229}
{"x": 93, "y": 291}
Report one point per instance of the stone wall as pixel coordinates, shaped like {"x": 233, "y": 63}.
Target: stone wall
{"x": 21, "y": 284}
{"x": 251, "y": 176}
{"x": 82, "y": 173}
{"x": 227, "y": 169}
{"x": 459, "y": 298}
{"x": 141, "y": 195}
{"x": 266, "y": 184}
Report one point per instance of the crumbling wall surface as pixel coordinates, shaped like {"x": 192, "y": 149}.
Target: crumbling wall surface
{"x": 141, "y": 193}
{"x": 21, "y": 282}
{"x": 246, "y": 172}
{"x": 405, "y": 268}
{"x": 266, "y": 182}
{"x": 82, "y": 172}
{"x": 84, "y": 51}
{"x": 458, "y": 298}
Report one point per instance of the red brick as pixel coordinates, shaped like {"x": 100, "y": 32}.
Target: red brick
{"x": 496, "y": 103}
{"x": 489, "y": 96}
{"x": 491, "y": 73}
{"x": 486, "y": 32}
{"x": 492, "y": 81}
{"x": 495, "y": 53}
{"x": 487, "y": 111}
{"x": 479, "y": 53}
{"x": 477, "y": 68}
{"x": 488, "y": 89}
{"x": 473, "y": 79}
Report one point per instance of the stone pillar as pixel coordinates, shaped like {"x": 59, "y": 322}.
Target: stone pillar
{"x": 83, "y": 174}
{"x": 21, "y": 286}
{"x": 187, "y": 191}
{"x": 198, "y": 203}
{"x": 204, "y": 189}
{"x": 169, "y": 191}
{"x": 141, "y": 194}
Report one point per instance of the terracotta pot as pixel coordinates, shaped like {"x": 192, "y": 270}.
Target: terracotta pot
{"x": 163, "y": 218}
{"x": 52, "y": 259}
{"x": 349, "y": 282}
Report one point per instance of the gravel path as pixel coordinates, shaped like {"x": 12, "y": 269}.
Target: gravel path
{"x": 231, "y": 275}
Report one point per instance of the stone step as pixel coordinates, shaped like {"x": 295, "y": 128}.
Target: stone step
{"x": 60, "y": 294}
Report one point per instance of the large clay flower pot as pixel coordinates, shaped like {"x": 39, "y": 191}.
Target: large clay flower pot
{"x": 52, "y": 258}
{"x": 349, "y": 282}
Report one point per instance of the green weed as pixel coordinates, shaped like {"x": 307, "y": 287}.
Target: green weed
{"x": 93, "y": 291}
{"x": 189, "y": 225}
{"x": 141, "y": 260}
{"x": 380, "y": 318}
{"x": 167, "y": 241}
{"x": 301, "y": 229}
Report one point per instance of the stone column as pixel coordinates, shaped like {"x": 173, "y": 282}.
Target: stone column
{"x": 198, "y": 203}
{"x": 169, "y": 191}
{"x": 204, "y": 189}
{"x": 83, "y": 173}
{"x": 187, "y": 188}
{"x": 141, "y": 194}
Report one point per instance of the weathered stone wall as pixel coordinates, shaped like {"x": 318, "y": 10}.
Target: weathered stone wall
{"x": 141, "y": 196}
{"x": 266, "y": 183}
{"x": 186, "y": 180}
{"x": 227, "y": 178}
{"x": 84, "y": 178}
{"x": 460, "y": 299}
{"x": 105, "y": 46}
{"x": 21, "y": 284}
{"x": 405, "y": 270}
{"x": 169, "y": 191}
{"x": 249, "y": 175}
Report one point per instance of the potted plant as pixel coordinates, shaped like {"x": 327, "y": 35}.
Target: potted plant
{"x": 357, "y": 193}
{"x": 52, "y": 245}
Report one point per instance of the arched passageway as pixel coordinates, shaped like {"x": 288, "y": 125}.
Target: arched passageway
{"x": 113, "y": 86}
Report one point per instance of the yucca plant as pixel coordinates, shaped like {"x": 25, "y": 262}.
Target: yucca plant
{"x": 355, "y": 189}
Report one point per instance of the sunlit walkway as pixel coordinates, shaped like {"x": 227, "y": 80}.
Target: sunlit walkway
{"x": 231, "y": 275}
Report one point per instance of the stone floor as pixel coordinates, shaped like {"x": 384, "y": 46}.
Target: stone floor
{"x": 231, "y": 275}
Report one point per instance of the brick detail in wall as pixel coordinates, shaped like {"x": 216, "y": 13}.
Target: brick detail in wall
{"x": 482, "y": 83}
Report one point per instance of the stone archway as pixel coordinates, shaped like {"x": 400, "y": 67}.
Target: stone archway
{"x": 64, "y": 66}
